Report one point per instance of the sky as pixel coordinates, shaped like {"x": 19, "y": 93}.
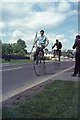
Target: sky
{"x": 21, "y": 19}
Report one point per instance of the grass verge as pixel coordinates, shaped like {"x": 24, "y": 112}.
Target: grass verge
{"x": 16, "y": 61}
{"x": 58, "y": 100}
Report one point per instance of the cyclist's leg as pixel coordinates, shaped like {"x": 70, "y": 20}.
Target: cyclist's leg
{"x": 43, "y": 55}
{"x": 76, "y": 64}
{"x": 36, "y": 53}
{"x": 54, "y": 53}
{"x": 42, "y": 50}
{"x": 59, "y": 55}
{"x": 79, "y": 64}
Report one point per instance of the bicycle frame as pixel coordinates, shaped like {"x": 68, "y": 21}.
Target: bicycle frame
{"x": 58, "y": 53}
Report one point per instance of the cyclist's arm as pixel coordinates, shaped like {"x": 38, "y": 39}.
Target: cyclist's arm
{"x": 53, "y": 45}
{"x": 75, "y": 45}
{"x": 47, "y": 42}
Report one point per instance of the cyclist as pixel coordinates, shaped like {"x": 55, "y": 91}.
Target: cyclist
{"x": 42, "y": 43}
{"x": 59, "y": 46}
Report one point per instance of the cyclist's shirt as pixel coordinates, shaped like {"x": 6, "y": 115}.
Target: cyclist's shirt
{"x": 42, "y": 40}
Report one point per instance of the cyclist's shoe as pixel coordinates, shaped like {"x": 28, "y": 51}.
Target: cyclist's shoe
{"x": 74, "y": 75}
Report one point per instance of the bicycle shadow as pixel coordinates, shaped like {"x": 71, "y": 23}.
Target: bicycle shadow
{"x": 53, "y": 67}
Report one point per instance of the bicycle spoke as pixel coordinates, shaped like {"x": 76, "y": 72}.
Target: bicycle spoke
{"x": 38, "y": 68}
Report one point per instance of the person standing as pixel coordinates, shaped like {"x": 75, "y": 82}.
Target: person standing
{"x": 77, "y": 56}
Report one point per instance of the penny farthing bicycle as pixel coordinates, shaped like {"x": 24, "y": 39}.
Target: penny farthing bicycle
{"x": 39, "y": 63}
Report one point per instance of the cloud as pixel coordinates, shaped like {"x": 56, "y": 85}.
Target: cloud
{"x": 15, "y": 36}
{"x": 0, "y": 11}
{"x": 27, "y": 37}
{"x": 22, "y": 20}
{"x": 64, "y": 6}
{"x": 34, "y": 20}
{"x": 74, "y": 36}
{"x": 39, "y": 1}
{"x": 16, "y": 10}
{"x": 29, "y": 1}
{"x": 53, "y": 37}
{"x": 73, "y": 1}
{"x": 2, "y": 25}
{"x": 44, "y": 19}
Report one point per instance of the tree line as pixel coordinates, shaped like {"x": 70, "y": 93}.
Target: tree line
{"x": 18, "y": 48}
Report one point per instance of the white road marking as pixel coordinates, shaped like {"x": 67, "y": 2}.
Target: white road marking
{"x": 12, "y": 64}
{"x": 28, "y": 86}
{"x": 9, "y": 69}
{"x": 12, "y": 69}
{"x": 4, "y": 65}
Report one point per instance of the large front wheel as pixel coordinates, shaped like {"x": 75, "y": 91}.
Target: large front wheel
{"x": 39, "y": 67}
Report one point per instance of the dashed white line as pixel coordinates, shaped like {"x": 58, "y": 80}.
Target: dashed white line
{"x": 12, "y": 69}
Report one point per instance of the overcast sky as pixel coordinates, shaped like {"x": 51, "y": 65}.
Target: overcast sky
{"x": 22, "y": 20}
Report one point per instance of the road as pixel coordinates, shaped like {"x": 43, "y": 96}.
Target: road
{"x": 19, "y": 77}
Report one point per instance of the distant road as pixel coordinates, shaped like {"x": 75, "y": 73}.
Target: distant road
{"x": 18, "y": 77}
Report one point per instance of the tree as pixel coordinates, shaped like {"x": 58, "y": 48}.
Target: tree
{"x": 7, "y": 49}
{"x": 21, "y": 43}
{"x": 70, "y": 53}
{"x": 15, "y": 48}
{"x": 19, "y": 48}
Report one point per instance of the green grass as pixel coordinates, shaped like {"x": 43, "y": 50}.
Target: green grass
{"x": 16, "y": 61}
{"x": 0, "y": 113}
{"x": 58, "y": 100}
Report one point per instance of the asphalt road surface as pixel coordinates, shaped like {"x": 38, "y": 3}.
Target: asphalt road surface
{"x": 19, "y": 77}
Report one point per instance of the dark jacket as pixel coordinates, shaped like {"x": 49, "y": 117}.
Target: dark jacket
{"x": 77, "y": 45}
{"x": 58, "y": 45}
